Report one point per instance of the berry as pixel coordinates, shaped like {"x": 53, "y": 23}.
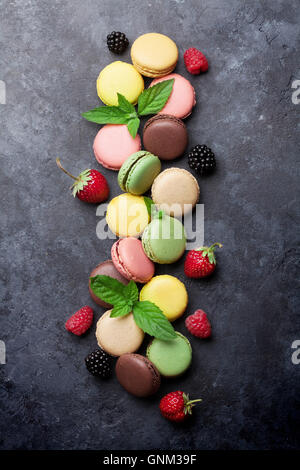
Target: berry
{"x": 195, "y": 61}
{"x": 99, "y": 363}
{"x": 198, "y": 324}
{"x": 117, "y": 42}
{"x": 176, "y": 406}
{"x": 201, "y": 262}
{"x": 202, "y": 160}
{"x": 90, "y": 186}
{"x": 80, "y": 322}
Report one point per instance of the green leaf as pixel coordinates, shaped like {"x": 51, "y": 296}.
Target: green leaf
{"x": 125, "y": 106}
{"x": 131, "y": 291}
{"x": 107, "y": 115}
{"x": 150, "y": 319}
{"x": 133, "y": 126}
{"x": 154, "y": 98}
{"x": 149, "y": 203}
{"x": 108, "y": 289}
{"x": 121, "y": 309}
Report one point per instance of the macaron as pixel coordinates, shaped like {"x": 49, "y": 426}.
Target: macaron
{"x": 119, "y": 77}
{"x": 175, "y": 191}
{"x": 106, "y": 268}
{"x": 166, "y": 136}
{"x": 118, "y": 335}
{"x": 154, "y": 54}
{"x": 137, "y": 375}
{"x": 182, "y": 98}
{"x": 127, "y": 215}
{"x": 168, "y": 293}
{"x": 113, "y": 145}
{"x": 138, "y": 172}
{"x": 164, "y": 240}
{"x": 171, "y": 358}
{"x": 131, "y": 261}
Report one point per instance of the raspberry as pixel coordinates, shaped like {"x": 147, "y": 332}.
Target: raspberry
{"x": 195, "y": 61}
{"x": 99, "y": 363}
{"x": 80, "y": 322}
{"x": 198, "y": 324}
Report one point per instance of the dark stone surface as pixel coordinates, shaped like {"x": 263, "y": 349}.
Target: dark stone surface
{"x": 51, "y": 54}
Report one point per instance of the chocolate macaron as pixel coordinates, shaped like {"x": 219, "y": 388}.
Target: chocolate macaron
{"x": 106, "y": 268}
{"x": 165, "y": 136}
{"x": 137, "y": 375}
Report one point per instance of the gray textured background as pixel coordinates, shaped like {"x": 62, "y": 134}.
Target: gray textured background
{"x": 50, "y": 56}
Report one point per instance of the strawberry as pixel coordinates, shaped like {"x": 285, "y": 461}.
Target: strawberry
{"x": 176, "y": 406}
{"x": 198, "y": 324}
{"x": 90, "y": 186}
{"x": 201, "y": 262}
{"x": 195, "y": 61}
{"x": 80, "y": 322}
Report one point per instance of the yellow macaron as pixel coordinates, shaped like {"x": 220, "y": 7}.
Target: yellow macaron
{"x": 154, "y": 54}
{"x": 127, "y": 215}
{"x": 168, "y": 293}
{"x": 119, "y": 77}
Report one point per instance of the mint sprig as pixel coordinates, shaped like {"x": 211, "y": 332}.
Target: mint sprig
{"x": 124, "y": 299}
{"x": 151, "y": 101}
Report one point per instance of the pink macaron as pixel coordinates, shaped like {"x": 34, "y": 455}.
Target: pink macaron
{"x": 131, "y": 261}
{"x": 182, "y": 99}
{"x": 113, "y": 145}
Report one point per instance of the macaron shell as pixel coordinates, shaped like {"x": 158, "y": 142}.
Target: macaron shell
{"x": 182, "y": 98}
{"x": 165, "y": 136}
{"x": 127, "y": 215}
{"x": 168, "y": 293}
{"x": 118, "y": 335}
{"x": 131, "y": 261}
{"x": 137, "y": 375}
{"x": 113, "y": 145}
{"x": 106, "y": 268}
{"x": 126, "y": 167}
{"x": 138, "y": 172}
{"x": 119, "y": 77}
{"x": 171, "y": 358}
{"x": 154, "y": 54}
{"x": 164, "y": 240}
{"x": 175, "y": 191}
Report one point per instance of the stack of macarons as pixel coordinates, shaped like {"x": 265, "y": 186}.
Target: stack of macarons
{"x": 146, "y": 236}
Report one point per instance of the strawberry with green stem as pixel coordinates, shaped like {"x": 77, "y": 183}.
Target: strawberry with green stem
{"x": 201, "y": 262}
{"x": 90, "y": 186}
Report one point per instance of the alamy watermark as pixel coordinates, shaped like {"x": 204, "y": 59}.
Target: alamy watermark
{"x": 296, "y": 354}
{"x": 296, "y": 93}
{"x": 2, "y": 352}
{"x": 2, "y": 92}
{"x": 131, "y": 219}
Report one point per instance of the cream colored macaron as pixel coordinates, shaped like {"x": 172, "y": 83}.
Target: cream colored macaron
{"x": 118, "y": 335}
{"x": 175, "y": 191}
{"x": 154, "y": 54}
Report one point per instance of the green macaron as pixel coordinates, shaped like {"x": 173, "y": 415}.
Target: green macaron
{"x": 164, "y": 239}
{"x": 171, "y": 358}
{"x": 138, "y": 172}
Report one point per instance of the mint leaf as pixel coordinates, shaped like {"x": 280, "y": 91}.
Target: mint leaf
{"x": 107, "y": 115}
{"x": 153, "y": 99}
{"x": 149, "y": 203}
{"x": 133, "y": 126}
{"x": 150, "y": 319}
{"x": 131, "y": 292}
{"x": 121, "y": 309}
{"x": 108, "y": 289}
{"x": 125, "y": 106}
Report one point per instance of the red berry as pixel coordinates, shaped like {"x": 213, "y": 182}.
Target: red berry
{"x": 176, "y": 406}
{"x": 198, "y": 324}
{"x": 90, "y": 186}
{"x": 80, "y": 322}
{"x": 201, "y": 262}
{"x": 195, "y": 61}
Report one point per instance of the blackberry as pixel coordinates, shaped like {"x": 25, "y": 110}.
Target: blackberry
{"x": 117, "y": 42}
{"x": 202, "y": 160}
{"x": 99, "y": 363}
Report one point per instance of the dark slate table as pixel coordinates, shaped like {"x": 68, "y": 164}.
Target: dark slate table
{"x": 51, "y": 54}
